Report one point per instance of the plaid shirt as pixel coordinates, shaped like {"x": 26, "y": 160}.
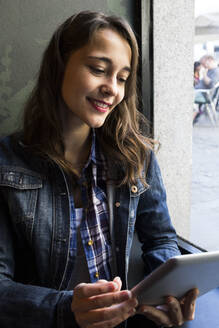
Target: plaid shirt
{"x": 94, "y": 226}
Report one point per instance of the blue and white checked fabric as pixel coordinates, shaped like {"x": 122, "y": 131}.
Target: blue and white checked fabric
{"x": 94, "y": 225}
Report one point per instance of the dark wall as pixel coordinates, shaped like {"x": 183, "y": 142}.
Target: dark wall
{"x": 26, "y": 26}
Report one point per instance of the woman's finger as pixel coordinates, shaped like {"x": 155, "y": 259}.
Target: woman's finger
{"x": 189, "y": 304}
{"x": 175, "y": 311}
{"x": 100, "y": 301}
{"x": 118, "y": 281}
{"x": 101, "y": 281}
{"x": 114, "y": 322}
{"x": 84, "y": 290}
{"x": 155, "y": 315}
{"x": 118, "y": 312}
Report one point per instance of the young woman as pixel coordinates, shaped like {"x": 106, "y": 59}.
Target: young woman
{"x": 75, "y": 182}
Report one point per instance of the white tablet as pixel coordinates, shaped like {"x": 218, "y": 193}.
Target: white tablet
{"x": 177, "y": 276}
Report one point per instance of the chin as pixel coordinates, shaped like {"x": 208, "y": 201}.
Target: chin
{"x": 96, "y": 124}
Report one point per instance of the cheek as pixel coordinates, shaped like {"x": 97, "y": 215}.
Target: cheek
{"x": 72, "y": 88}
{"x": 121, "y": 96}
{"x": 67, "y": 86}
{"x": 74, "y": 81}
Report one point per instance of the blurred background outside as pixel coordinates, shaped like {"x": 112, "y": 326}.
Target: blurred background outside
{"x": 205, "y": 159}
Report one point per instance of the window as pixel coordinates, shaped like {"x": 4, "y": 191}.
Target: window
{"x": 205, "y": 159}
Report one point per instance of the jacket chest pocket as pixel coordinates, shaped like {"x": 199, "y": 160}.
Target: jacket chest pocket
{"x": 20, "y": 191}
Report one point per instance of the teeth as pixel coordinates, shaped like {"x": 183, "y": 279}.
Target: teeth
{"x": 100, "y": 104}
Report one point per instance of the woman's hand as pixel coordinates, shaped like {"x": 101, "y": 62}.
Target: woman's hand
{"x": 102, "y": 304}
{"x": 174, "y": 312}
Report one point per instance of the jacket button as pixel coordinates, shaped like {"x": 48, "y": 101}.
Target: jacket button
{"x": 134, "y": 189}
{"x": 90, "y": 242}
{"x": 96, "y": 275}
{"x": 117, "y": 204}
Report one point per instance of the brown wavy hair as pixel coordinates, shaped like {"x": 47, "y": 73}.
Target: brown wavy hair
{"x": 120, "y": 135}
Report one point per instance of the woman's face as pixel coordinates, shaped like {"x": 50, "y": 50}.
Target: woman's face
{"x": 95, "y": 77}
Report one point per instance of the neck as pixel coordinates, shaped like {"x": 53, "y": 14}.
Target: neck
{"x": 77, "y": 144}
{"x": 76, "y": 137}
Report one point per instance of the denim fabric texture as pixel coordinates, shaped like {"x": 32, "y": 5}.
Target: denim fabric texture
{"x": 35, "y": 234}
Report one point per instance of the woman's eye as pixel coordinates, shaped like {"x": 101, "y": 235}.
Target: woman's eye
{"x": 122, "y": 79}
{"x": 97, "y": 70}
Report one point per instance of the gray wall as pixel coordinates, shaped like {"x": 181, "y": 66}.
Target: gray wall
{"x": 173, "y": 99}
{"x": 26, "y": 26}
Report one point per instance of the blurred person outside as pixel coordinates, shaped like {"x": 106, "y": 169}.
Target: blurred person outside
{"x": 208, "y": 77}
{"x": 209, "y": 71}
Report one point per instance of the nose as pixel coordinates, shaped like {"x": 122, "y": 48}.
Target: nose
{"x": 110, "y": 87}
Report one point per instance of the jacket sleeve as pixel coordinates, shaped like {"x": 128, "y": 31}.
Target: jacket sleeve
{"x": 153, "y": 223}
{"x": 27, "y": 306}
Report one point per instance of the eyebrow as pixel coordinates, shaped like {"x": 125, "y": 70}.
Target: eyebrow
{"x": 109, "y": 61}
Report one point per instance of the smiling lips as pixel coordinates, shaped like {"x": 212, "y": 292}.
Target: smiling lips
{"x": 100, "y": 106}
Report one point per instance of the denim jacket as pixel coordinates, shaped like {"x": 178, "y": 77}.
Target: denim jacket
{"x": 35, "y": 234}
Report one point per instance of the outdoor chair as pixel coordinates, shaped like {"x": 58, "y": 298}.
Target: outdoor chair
{"x": 208, "y": 101}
